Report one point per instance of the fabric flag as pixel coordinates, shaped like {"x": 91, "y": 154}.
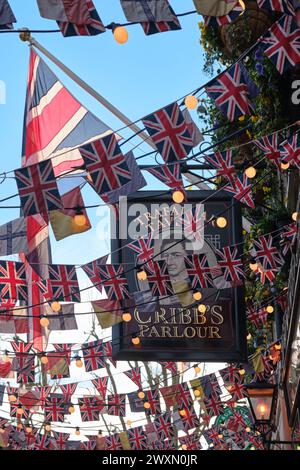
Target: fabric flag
{"x": 62, "y": 221}
{"x": 135, "y": 375}
{"x": 159, "y": 279}
{"x": 170, "y": 175}
{"x": 136, "y": 404}
{"x": 106, "y": 164}
{"x": 58, "y": 365}
{"x": 281, "y": 44}
{"x": 190, "y": 420}
{"x": 13, "y": 237}
{"x": 288, "y": 237}
{"x": 193, "y": 222}
{"x": 93, "y": 355}
{"x": 282, "y": 6}
{"x": 192, "y": 128}
{"x": 214, "y": 406}
{"x": 137, "y": 438}
{"x": 136, "y": 182}
{"x": 199, "y": 271}
{"x": 108, "y": 312}
{"x": 169, "y": 132}
{"x": 152, "y": 397}
{"x": 114, "y": 281}
{"x": 270, "y": 147}
{"x": 5, "y": 370}
{"x": 231, "y": 93}
{"x": 107, "y": 349}
{"x": 242, "y": 191}
{"x": 146, "y": 10}
{"x": 172, "y": 366}
{"x": 90, "y": 408}
{"x": 231, "y": 264}
{"x": 76, "y": 18}
{"x": 163, "y": 426}
{"x": 92, "y": 271}
{"x": 54, "y": 408}
{"x": 64, "y": 320}
{"x": 144, "y": 247}
{"x": 59, "y": 440}
{"x": 222, "y": 162}
{"x": 101, "y": 384}
{"x": 267, "y": 253}
{"x": 113, "y": 442}
{"x": 7, "y": 18}
{"x": 29, "y": 398}
{"x": 13, "y": 283}
{"x": 64, "y": 283}
{"x": 13, "y": 321}
{"x": 214, "y": 7}
{"x": 217, "y": 21}
{"x": 145, "y": 301}
{"x": 154, "y": 27}
{"x": 116, "y": 405}
{"x": 290, "y": 150}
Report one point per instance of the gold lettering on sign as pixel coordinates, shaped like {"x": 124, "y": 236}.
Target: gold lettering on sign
{"x": 138, "y": 318}
{"x": 216, "y": 317}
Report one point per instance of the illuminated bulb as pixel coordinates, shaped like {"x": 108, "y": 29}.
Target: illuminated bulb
{"x": 28, "y": 429}
{"x": 197, "y": 393}
{"x": 126, "y": 317}
{"x": 129, "y": 423}
{"x": 147, "y": 405}
{"x": 178, "y": 197}
{"x": 191, "y": 102}
{"x": 197, "y": 295}
{"x": 295, "y": 216}
{"x": 248, "y": 429}
{"x": 249, "y": 336}
{"x": 120, "y": 35}
{"x": 197, "y": 369}
{"x": 44, "y": 359}
{"x": 71, "y": 409}
{"x": 250, "y": 172}
{"x": 44, "y": 321}
{"x": 270, "y": 309}
{"x": 202, "y": 308}
{"x": 184, "y": 447}
{"x": 77, "y": 432}
{"x": 182, "y": 412}
{"x": 135, "y": 340}
{"x": 12, "y": 398}
{"x": 220, "y": 436}
{"x": 253, "y": 266}
{"x": 262, "y": 409}
{"x": 142, "y": 275}
{"x": 242, "y": 372}
{"x": 55, "y": 306}
{"x": 79, "y": 220}
{"x": 221, "y": 222}
{"x": 141, "y": 395}
{"x": 48, "y": 427}
{"x": 79, "y": 362}
{"x": 284, "y": 166}
{"x": 20, "y": 410}
{"x": 278, "y": 347}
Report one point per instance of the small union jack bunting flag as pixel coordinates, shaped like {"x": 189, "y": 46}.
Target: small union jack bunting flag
{"x": 152, "y": 397}
{"x": 92, "y": 271}
{"x": 23, "y": 362}
{"x": 144, "y": 248}
{"x": 290, "y": 150}
{"x": 217, "y": 21}
{"x": 137, "y": 438}
{"x": 230, "y": 264}
{"x": 146, "y": 10}
{"x": 242, "y": 191}
{"x": 159, "y": 279}
{"x": 38, "y": 188}
{"x": 192, "y": 441}
{"x": 231, "y": 93}
{"x": 164, "y": 427}
{"x": 282, "y": 6}
{"x": 13, "y": 283}
{"x": 270, "y": 146}
{"x": 93, "y": 355}
{"x": 190, "y": 420}
{"x": 135, "y": 375}
{"x": 222, "y": 161}
{"x": 172, "y": 366}
{"x": 101, "y": 384}
{"x": 64, "y": 282}
{"x": 54, "y": 408}
{"x": 60, "y": 440}
{"x": 89, "y": 408}
{"x": 214, "y": 406}
{"x": 116, "y": 405}
{"x": 169, "y": 131}
{"x": 199, "y": 271}
{"x": 193, "y": 223}
{"x": 288, "y": 237}
{"x": 113, "y": 442}
{"x": 281, "y": 44}
{"x": 169, "y": 175}
{"x": 154, "y": 27}
{"x": 106, "y": 164}
{"x": 267, "y": 253}
{"x": 7, "y": 18}
{"x": 114, "y": 281}
{"x": 42, "y": 442}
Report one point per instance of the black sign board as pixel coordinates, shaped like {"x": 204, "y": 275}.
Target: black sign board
{"x": 171, "y": 328}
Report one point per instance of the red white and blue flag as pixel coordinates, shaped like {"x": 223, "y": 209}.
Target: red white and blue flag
{"x": 93, "y": 355}
{"x": 101, "y": 384}
{"x": 137, "y": 438}
{"x": 270, "y": 146}
{"x": 282, "y": 6}
{"x": 144, "y": 249}
{"x": 217, "y": 21}
{"x": 230, "y": 264}
{"x": 267, "y": 253}
{"x": 159, "y": 279}
{"x": 134, "y": 374}
{"x": 7, "y": 18}
{"x": 290, "y": 150}
{"x": 169, "y": 175}
{"x": 288, "y": 237}
{"x": 114, "y": 281}
{"x": 241, "y": 190}
{"x": 222, "y": 162}
{"x": 199, "y": 271}
{"x": 116, "y": 405}
{"x": 64, "y": 282}
{"x": 154, "y": 26}
{"x": 13, "y": 283}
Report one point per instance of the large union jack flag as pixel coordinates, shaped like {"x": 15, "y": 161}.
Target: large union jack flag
{"x": 231, "y": 93}
{"x": 114, "y": 281}
{"x": 222, "y": 161}
{"x": 199, "y": 271}
{"x": 290, "y": 150}
{"x": 13, "y": 283}
{"x": 267, "y": 253}
{"x": 242, "y": 191}
{"x": 137, "y": 438}
{"x": 217, "y": 21}
{"x": 89, "y": 408}
{"x": 270, "y": 146}
{"x": 93, "y": 355}
{"x": 145, "y": 250}
{"x": 282, "y": 6}
{"x": 64, "y": 282}
{"x": 169, "y": 131}
{"x": 116, "y": 405}
{"x": 230, "y": 264}
{"x": 159, "y": 279}
{"x": 282, "y": 43}
{"x": 106, "y": 164}
{"x": 154, "y": 27}
{"x": 38, "y": 188}
{"x": 169, "y": 175}
{"x": 92, "y": 25}
{"x": 135, "y": 375}
{"x": 164, "y": 427}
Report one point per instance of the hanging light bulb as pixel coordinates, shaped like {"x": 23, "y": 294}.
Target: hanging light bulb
{"x": 284, "y": 165}
{"x": 77, "y": 432}
{"x": 28, "y": 429}
{"x": 128, "y": 422}
{"x": 182, "y": 412}
{"x": 242, "y": 371}
{"x": 197, "y": 393}
{"x": 249, "y": 336}
{"x": 141, "y": 395}
{"x": 184, "y": 447}
{"x": 197, "y": 369}
{"x": 135, "y": 340}
{"x": 191, "y": 102}
{"x": 126, "y": 317}
{"x": 147, "y": 405}
{"x": 248, "y": 429}
{"x": 197, "y": 295}
{"x": 2, "y": 430}
{"x": 295, "y": 216}
{"x": 270, "y": 309}
{"x": 71, "y": 409}
{"x": 220, "y": 436}
{"x": 141, "y": 274}
{"x": 12, "y": 398}
{"x": 120, "y": 34}
{"x": 278, "y": 346}
{"x": 221, "y": 222}
{"x": 55, "y": 306}
{"x": 44, "y": 359}
{"x": 44, "y": 321}
{"x": 178, "y": 197}
{"x": 78, "y": 362}
{"x": 253, "y": 265}
{"x": 202, "y": 308}
{"x": 250, "y": 172}
{"x": 79, "y": 218}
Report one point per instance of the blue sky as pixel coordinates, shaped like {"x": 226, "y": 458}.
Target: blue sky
{"x": 139, "y": 77}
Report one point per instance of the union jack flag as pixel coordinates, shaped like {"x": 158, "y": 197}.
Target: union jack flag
{"x": 55, "y": 408}
{"x": 60, "y": 440}
{"x": 116, "y": 405}
{"x": 152, "y": 397}
{"x": 199, "y": 271}
{"x": 38, "y": 188}
{"x": 107, "y": 349}
{"x": 282, "y": 43}
{"x": 283, "y": 6}
{"x": 290, "y": 150}
{"x": 91, "y": 27}
{"x": 159, "y": 279}
{"x": 93, "y": 355}
{"x": 145, "y": 250}
{"x": 210, "y": 386}
{"x": 288, "y": 237}
{"x": 25, "y": 361}
{"x": 265, "y": 275}
{"x": 242, "y": 191}
{"x": 135, "y": 375}
{"x": 193, "y": 222}
{"x": 222, "y": 161}
{"x": 189, "y": 419}
{"x": 169, "y": 131}
{"x": 163, "y": 426}
{"x": 151, "y": 27}
{"x": 68, "y": 390}
{"x": 14, "y": 411}
{"x": 172, "y": 366}
{"x": 64, "y": 282}
{"x": 213, "y": 405}
{"x": 88, "y": 445}
{"x": 89, "y": 408}
{"x": 44, "y": 394}
{"x": 42, "y": 442}
{"x": 91, "y": 270}
{"x": 13, "y": 283}
{"x": 230, "y": 93}
{"x": 101, "y": 385}
{"x": 270, "y": 146}
{"x": 169, "y": 175}
{"x": 212, "y": 436}
{"x": 113, "y": 442}
{"x": 106, "y": 164}
{"x": 137, "y": 438}
{"x": 45, "y": 287}
{"x": 183, "y": 396}
{"x": 255, "y": 317}
{"x": 231, "y": 264}
{"x": 237, "y": 390}
{"x": 217, "y": 21}
{"x": 267, "y": 253}
{"x": 192, "y": 441}
{"x": 230, "y": 373}
{"x": 114, "y": 281}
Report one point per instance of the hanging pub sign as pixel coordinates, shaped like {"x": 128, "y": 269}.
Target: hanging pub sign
{"x": 182, "y": 306}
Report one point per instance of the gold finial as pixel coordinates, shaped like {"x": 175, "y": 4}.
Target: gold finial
{"x": 25, "y": 35}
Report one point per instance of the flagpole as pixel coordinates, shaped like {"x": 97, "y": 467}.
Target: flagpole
{"x": 115, "y": 111}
